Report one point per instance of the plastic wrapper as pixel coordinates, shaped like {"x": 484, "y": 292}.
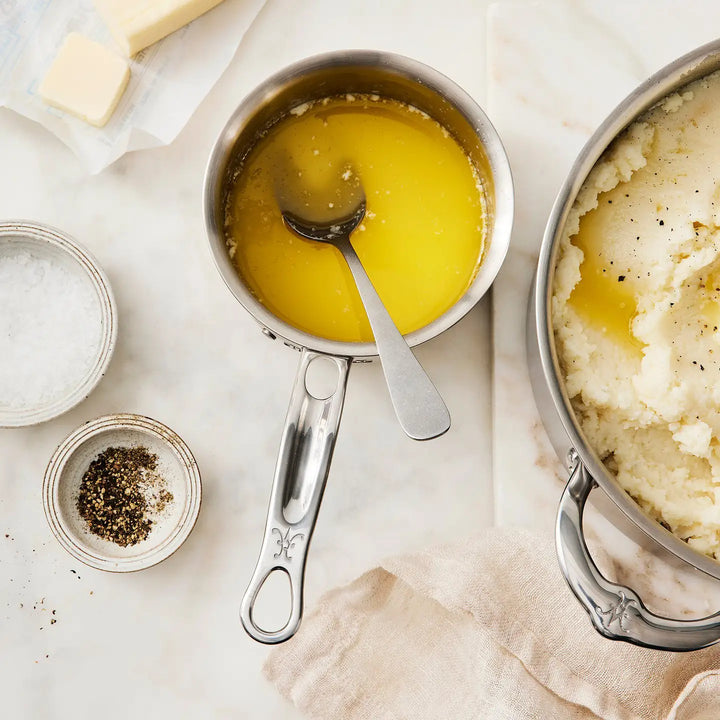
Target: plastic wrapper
{"x": 168, "y": 79}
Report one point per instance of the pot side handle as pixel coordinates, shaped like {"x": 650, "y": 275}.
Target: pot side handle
{"x": 616, "y": 611}
{"x": 302, "y": 468}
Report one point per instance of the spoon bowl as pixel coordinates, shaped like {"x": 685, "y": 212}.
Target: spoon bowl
{"x": 327, "y": 232}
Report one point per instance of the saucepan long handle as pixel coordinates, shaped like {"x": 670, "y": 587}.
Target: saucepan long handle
{"x": 616, "y": 611}
{"x": 302, "y": 468}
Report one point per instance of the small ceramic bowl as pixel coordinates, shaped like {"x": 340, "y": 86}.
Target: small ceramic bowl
{"x": 48, "y": 243}
{"x": 176, "y": 465}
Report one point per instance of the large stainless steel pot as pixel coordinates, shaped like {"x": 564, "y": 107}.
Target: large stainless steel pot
{"x": 616, "y": 611}
{"x": 313, "y": 418}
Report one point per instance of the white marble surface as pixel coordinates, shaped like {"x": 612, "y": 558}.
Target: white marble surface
{"x": 555, "y": 70}
{"x": 167, "y": 642}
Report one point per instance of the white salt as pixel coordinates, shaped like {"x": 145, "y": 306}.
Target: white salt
{"x": 50, "y": 328}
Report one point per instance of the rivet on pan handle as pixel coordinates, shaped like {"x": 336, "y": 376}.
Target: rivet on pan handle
{"x": 615, "y": 610}
{"x": 302, "y": 468}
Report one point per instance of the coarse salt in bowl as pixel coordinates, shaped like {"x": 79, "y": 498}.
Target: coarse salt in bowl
{"x": 57, "y": 323}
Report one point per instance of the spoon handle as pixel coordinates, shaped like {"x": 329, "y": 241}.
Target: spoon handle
{"x": 418, "y": 405}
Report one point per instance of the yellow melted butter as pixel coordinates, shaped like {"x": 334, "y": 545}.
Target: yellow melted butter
{"x": 709, "y": 299}
{"x": 599, "y": 298}
{"x": 422, "y": 238}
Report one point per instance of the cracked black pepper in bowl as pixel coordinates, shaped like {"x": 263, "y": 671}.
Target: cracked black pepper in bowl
{"x": 119, "y": 494}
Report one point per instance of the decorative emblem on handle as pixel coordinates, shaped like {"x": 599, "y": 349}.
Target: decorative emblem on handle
{"x": 285, "y": 542}
{"x": 618, "y": 611}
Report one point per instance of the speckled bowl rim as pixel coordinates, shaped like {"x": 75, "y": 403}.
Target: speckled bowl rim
{"x": 44, "y": 233}
{"x": 54, "y": 474}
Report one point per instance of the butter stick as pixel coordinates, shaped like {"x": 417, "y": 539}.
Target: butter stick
{"x": 85, "y": 79}
{"x": 135, "y": 24}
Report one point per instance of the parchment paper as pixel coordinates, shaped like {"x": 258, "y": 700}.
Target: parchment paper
{"x": 168, "y": 80}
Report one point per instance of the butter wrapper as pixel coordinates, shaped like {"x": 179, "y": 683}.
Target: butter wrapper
{"x": 168, "y": 80}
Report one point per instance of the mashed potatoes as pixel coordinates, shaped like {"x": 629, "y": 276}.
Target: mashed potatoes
{"x": 636, "y": 311}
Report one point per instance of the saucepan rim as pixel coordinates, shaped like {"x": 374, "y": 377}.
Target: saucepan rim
{"x": 395, "y": 65}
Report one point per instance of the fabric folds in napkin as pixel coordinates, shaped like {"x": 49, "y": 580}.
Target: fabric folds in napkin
{"x": 484, "y": 629}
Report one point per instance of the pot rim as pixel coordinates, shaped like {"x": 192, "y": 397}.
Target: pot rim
{"x": 498, "y": 237}
{"x": 689, "y": 67}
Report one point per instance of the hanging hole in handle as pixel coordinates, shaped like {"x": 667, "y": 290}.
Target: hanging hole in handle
{"x": 272, "y": 607}
{"x": 322, "y": 377}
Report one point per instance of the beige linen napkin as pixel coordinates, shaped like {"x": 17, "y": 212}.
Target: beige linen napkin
{"x": 483, "y": 630}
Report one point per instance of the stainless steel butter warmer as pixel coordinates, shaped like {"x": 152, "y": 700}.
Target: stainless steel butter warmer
{"x": 315, "y": 407}
{"x": 616, "y": 611}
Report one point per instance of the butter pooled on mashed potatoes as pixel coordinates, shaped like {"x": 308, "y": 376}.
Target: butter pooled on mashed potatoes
{"x": 636, "y": 311}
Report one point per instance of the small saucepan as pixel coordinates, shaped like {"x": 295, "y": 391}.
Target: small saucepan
{"x": 316, "y": 404}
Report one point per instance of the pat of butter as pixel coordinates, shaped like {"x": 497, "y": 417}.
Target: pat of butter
{"x": 135, "y": 24}
{"x": 85, "y": 79}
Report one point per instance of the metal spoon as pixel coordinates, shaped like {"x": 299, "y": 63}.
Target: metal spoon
{"x": 418, "y": 405}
